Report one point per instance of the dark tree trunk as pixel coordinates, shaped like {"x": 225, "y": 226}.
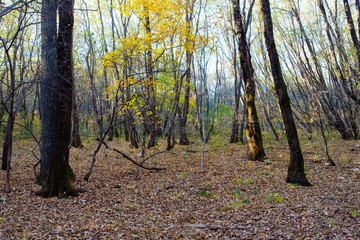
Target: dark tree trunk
{"x": 7, "y": 147}
{"x": 253, "y": 131}
{"x": 296, "y": 173}
{"x": 48, "y": 84}
{"x": 8, "y": 141}
{"x": 354, "y": 38}
{"x": 58, "y": 181}
{"x": 183, "y": 140}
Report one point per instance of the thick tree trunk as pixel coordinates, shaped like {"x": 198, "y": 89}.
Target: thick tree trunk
{"x": 58, "y": 180}
{"x": 48, "y": 94}
{"x": 296, "y": 173}
{"x": 253, "y": 131}
{"x": 8, "y": 141}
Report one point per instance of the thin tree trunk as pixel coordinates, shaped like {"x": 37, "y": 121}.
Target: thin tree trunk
{"x": 235, "y": 123}
{"x": 152, "y": 124}
{"x": 354, "y": 38}
{"x": 75, "y": 132}
{"x": 183, "y": 116}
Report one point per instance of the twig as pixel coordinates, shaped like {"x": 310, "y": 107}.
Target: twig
{"x": 193, "y": 151}
{"x": 93, "y": 237}
{"x": 152, "y": 155}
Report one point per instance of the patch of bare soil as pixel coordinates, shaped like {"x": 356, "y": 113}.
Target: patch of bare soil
{"x": 233, "y": 199}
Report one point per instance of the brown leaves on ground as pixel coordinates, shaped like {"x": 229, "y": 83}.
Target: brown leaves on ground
{"x": 234, "y": 198}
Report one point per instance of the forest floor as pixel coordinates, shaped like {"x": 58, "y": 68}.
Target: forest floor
{"x": 233, "y": 199}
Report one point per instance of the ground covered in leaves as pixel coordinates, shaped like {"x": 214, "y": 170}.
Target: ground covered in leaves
{"x": 233, "y": 199}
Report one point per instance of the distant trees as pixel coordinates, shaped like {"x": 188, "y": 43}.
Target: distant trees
{"x": 17, "y": 74}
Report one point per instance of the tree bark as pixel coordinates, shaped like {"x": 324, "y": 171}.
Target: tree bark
{"x": 296, "y": 173}
{"x": 234, "y": 138}
{"x": 253, "y": 131}
{"x": 48, "y": 84}
{"x": 152, "y": 124}
{"x": 75, "y": 132}
{"x": 354, "y": 38}
{"x": 58, "y": 181}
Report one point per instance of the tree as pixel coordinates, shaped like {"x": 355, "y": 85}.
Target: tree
{"x": 253, "y": 131}
{"x": 183, "y": 116}
{"x": 58, "y": 179}
{"x": 296, "y": 173}
{"x": 48, "y": 83}
{"x": 75, "y": 132}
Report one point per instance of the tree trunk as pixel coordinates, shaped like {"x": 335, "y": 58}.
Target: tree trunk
{"x": 48, "y": 84}
{"x": 58, "y": 180}
{"x": 152, "y": 124}
{"x": 331, "y": 112}
{"x": 354, "y": 38}
{"x": 296, "y": 173}
{"x": 183, "y": 116}
{"x": 253, "y": 131}
{"x": 8, "y": 141}
{"x": 75, "y": 132}
{"x": 234, "y": 138}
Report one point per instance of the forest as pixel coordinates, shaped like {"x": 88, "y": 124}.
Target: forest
{"x": 180, "y": 119}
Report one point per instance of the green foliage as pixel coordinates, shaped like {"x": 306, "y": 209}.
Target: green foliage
{"x": 247, "y": 181}
{"x": 203, "y": 193}
{"x": 275, "y": 198}
{"x": 239, "y": 199}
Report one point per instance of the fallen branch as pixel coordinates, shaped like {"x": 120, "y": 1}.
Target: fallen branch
{"x": 152, "y": 155}
{"x": 93, "y": 237}
{"x": 139, "y": 164}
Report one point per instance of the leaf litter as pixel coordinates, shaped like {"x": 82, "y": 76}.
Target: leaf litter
{"x": 233, "y": 199}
